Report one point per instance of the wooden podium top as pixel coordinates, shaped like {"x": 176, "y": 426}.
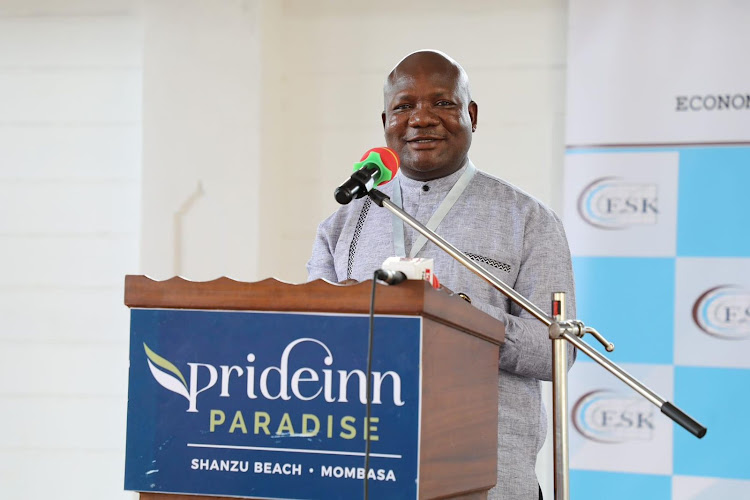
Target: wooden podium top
{"x": 410, "y": 298}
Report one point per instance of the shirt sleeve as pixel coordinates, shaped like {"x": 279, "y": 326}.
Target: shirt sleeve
{"x": 321, "y": 264}
{"x": 546, "y": 268}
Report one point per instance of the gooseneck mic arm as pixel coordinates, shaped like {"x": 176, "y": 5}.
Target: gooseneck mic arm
{"x": 560, "y": 331}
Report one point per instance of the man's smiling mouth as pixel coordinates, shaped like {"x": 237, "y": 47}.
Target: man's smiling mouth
{"x": 423, "y": 140}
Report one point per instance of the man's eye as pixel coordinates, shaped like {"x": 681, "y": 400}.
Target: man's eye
{"x": 402, "y": 106}
{"x": 444, "y": 103}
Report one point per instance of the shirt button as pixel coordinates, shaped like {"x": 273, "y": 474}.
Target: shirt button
{"x": 425, "y": 188}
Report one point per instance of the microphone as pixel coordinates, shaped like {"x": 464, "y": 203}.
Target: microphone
{"x": 377, "y": 166}
{"x": 390, "y": 277}
{"x": 411, "y": 269}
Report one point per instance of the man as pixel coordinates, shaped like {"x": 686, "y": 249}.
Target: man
{"x": 429, "y": 119}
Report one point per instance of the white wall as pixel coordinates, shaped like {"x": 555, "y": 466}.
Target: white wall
{"x": 70, "y": 117}
{"x": 201, "y": 139}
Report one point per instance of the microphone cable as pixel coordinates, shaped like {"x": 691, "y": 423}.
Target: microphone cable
{"x": 391, "y": 278}
{"x": 368, "y": 390}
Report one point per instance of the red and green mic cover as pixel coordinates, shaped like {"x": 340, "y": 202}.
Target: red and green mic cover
{"x": 385, "y": 159}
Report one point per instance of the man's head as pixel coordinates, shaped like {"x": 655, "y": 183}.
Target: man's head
{"x": 429, "y": 115}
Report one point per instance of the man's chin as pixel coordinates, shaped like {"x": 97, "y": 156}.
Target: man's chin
{"x": 421, "y": 170}
{"x": 421, "y": 161}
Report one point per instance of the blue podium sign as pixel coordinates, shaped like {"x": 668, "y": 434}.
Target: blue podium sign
{"x": 272, "y": 405}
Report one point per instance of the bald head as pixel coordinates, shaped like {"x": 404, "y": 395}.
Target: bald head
{"x": 428, "y": 62}
{"x": 429, "y": 116}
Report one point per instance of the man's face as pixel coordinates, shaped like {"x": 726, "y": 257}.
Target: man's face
{"x": 428, "y": 121}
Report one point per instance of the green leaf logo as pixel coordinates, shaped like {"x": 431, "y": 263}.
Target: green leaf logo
{"x": 166, "y": 373}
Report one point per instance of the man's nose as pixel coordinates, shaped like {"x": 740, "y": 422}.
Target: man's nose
{"x": 422, "y": 116}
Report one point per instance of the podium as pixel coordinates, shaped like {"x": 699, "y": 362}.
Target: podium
{"x": 235, "y": 388}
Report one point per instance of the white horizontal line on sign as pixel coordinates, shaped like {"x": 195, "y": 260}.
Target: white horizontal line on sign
{"x": 290, "y": 450}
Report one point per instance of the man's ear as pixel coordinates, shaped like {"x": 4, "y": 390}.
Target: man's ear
{"x": 382, "y": 115}
{"x": 473, "y": 114}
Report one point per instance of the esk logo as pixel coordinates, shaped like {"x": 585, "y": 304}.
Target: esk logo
{"x": 614, "y": 203}
{"x": 724, "y": 312}
{"x": 607, "y": 417}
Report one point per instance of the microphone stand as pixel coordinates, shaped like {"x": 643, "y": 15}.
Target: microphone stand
{"x": 560, "y": 332}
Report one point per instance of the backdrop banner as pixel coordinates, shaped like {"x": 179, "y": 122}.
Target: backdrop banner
{"x": 657, "y": 174}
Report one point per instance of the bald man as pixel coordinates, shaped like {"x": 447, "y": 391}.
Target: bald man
{"x": 429, "y": 119}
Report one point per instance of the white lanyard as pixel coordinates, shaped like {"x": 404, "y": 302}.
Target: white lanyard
{"x": 450, "y": 200}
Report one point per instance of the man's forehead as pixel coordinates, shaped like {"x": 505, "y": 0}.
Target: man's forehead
{"x": 425, "y": 81}
{"x": 432, "y": 78}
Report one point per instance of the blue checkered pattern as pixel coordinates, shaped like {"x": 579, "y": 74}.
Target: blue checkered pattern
{"x": 647, "y": 306}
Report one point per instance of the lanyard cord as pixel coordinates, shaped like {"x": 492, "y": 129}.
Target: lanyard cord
{"x": 397, "y": 226}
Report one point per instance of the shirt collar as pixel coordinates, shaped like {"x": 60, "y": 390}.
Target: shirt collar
{"x": 441, "y": 184}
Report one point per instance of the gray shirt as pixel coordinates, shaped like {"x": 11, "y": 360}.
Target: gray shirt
{"x": 513, "y": 236}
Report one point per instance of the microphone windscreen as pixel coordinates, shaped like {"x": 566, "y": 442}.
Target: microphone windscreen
{"x": 388, "y": 157}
